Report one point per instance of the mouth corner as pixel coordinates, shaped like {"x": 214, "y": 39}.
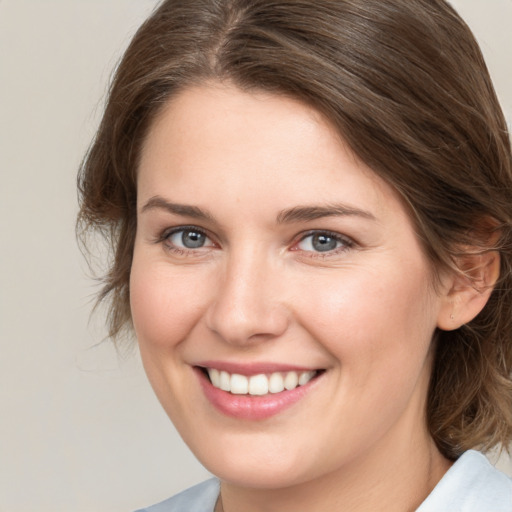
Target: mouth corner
{"x": 203, "y": 370}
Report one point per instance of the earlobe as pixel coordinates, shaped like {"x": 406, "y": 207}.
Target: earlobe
{"x": 468, "y": 291}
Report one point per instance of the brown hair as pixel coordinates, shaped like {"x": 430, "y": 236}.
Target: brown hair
{"x": 405, "y": 84}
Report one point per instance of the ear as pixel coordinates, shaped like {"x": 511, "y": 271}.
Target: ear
{"x": 467, "y": 292}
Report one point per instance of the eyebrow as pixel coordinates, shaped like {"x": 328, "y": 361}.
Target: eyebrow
{"x": 185, "y": 210}
{"x": 308, "y": 213}
{"x": 288, "y": 216}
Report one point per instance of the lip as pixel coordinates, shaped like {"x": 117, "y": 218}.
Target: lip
{"x": 253, "y": 408}
{"x": 249, "y": 369}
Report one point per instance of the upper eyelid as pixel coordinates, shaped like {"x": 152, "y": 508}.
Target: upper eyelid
{"x": 170, "y": 231}
{"x": 328, "y": 232}
{"x": 166, "y": 233}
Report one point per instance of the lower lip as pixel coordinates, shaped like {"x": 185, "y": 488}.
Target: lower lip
{"x": 248, "y": 407}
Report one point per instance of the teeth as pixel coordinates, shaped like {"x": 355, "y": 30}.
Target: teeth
{"x": 214, "y": 377}
{"x": 239, "y": 384}
{"x": 305, "y": 377}
{"x": 258, "y": 385}
{"x": 276, "y": 383}
{"x": 224, "y": 383}
{"x": 291, "y": 380}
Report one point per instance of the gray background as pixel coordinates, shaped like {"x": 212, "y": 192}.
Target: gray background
{"x": 80, "y": 429}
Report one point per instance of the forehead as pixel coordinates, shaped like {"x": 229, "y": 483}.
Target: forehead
{"x": 212, "y": 117}
{"x": 258, "y": 147}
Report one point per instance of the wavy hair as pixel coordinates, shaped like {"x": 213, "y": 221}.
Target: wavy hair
{"x": 405, "y": 84}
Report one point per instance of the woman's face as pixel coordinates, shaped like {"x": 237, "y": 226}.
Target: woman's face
{"x": 266, "y": 253}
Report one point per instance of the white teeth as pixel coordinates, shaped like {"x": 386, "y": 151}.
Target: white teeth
{"x": 214, "y": 377}
{"x": 258, "y": 385}
{"x": 291, "y": 380}
{"x": 305, "y": 377}
{"x": 239, "y": 384}
{"x": 276, "y": 383}
{"x": 224, "y": 381}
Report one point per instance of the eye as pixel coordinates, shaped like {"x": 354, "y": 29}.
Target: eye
{"x": 323, "y": 242}
{"x": 188, "y": 238}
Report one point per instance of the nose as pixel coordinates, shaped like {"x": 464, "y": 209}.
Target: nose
{"x": 247, "y": 306}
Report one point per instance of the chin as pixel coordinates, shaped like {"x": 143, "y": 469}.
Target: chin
{"x": 256, "y": 476}
{"x": 268, "y": 464}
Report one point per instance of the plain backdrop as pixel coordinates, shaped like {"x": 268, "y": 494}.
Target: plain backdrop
{"x": 80, "y": 429}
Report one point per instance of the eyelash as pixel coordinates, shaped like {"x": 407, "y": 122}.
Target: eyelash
{"x": 166, "y": 235}
{"x": 347, "y": 243}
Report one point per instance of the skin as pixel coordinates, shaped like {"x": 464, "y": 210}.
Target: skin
{"x": 257, "y": 291}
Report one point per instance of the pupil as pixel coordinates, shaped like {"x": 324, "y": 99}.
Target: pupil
{"x": 192, "y": 239}
{"x": 323, "y": 243}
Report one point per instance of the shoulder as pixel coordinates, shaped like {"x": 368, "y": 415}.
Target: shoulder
{"x": 472, "y": 484}
{"x": 200, "y": 498}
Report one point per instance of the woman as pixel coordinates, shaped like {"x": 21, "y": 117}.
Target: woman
{"x": 310, "y": 206}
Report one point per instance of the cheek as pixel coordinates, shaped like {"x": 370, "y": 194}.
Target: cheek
{"x": 377, "y": 328}
{"x": 164, "y": 305}
{"x": 372, "y": 319}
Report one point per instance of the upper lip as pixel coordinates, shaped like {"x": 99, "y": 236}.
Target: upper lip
{"x": 255, "y": 368}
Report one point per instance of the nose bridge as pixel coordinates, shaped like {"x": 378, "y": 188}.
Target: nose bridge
{"x": 248, "y": 305}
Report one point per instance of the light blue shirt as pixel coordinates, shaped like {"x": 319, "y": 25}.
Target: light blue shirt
{"x": 472, "y": 484}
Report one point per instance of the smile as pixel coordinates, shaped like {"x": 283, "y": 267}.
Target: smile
{"x": 258, "y": 391}
{"x": 258, "y": 385}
